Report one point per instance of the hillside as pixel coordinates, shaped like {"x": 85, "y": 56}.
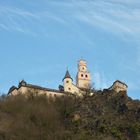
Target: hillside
{"x": 105, "y": 115}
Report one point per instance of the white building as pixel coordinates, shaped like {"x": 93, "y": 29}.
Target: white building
{"x": 83, "y": 82}
{"x": 118, "y": 86}
{"x": 82, "y": 86}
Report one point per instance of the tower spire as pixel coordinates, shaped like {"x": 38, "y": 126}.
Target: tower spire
{"x": 67, "y": 75}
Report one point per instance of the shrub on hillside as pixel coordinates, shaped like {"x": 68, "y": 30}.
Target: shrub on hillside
{"x": 106, "y": 116}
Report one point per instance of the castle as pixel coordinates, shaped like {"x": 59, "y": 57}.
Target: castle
{"x": 83, "y": 84}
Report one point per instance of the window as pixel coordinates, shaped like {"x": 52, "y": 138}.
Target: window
{"x": 69, "y": 88}
{"x": 82, "y": 75}
{"x": 67, "y": 81}
{"x": 83, "y": 68}
{"x": 86, "y": 76}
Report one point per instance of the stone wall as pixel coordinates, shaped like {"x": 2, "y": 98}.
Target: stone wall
{"x": 27, "y": 90}
{"x": 119, "y": 86}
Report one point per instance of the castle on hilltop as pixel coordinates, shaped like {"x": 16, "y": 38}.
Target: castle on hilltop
{"x": 83, "y": 84}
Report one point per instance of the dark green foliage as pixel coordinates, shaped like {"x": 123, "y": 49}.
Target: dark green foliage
{"x": 104, "y": 116}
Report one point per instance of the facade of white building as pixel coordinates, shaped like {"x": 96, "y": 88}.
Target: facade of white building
{"x": 83, "y": 84}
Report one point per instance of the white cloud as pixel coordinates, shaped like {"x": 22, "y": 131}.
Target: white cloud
{"x": 3, "y": 26}
{"x": 118, "y": 17}
{"x": 121, "y": 18}
{"x": 15, "y": 19}
{"x": 100, "y": 80}
{"x": 111, "y": 17}
{"x": 134, "y": 2}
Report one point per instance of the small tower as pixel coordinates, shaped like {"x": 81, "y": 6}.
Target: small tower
{"x": 67, "y": 82}
{"x": 83, "y": 76}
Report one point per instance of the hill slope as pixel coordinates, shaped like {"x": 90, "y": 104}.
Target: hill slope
{"x": 104, "y": 116}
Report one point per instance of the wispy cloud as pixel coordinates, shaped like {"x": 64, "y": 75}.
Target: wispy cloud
{"x": 118, "y": 17}
{"x": 100, "y": 80}
{"x": 15, "y": 19}
{"x": 125, "y": 2}
{"x": 2, "y": 26}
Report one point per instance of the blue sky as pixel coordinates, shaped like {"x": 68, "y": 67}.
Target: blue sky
{"x": 40, "y": 39}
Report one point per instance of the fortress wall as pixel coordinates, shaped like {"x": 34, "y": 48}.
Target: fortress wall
{"x": 15, "y": 92}
{"x": 25, "y": 90}
{"x": 119, "y": 87}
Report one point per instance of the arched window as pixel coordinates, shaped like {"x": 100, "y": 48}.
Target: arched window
{"x": 82, "y": 75}
{"x": 67, "y": 81}
{"x": 86, "y": 76}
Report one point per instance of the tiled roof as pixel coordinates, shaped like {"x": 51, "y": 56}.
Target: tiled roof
{"x": 120, "y": 82}
{"x": 35, "y": 87}
{"x": 42, "y": 88}
{"x": 11, "y": 89}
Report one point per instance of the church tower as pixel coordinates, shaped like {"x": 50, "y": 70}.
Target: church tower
{"x": 83, "y": 76}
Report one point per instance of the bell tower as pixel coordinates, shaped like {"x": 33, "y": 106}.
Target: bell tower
{"x": 83, "y": 79}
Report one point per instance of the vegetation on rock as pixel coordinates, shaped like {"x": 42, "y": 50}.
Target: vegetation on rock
{"x": 105, "y": 115}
